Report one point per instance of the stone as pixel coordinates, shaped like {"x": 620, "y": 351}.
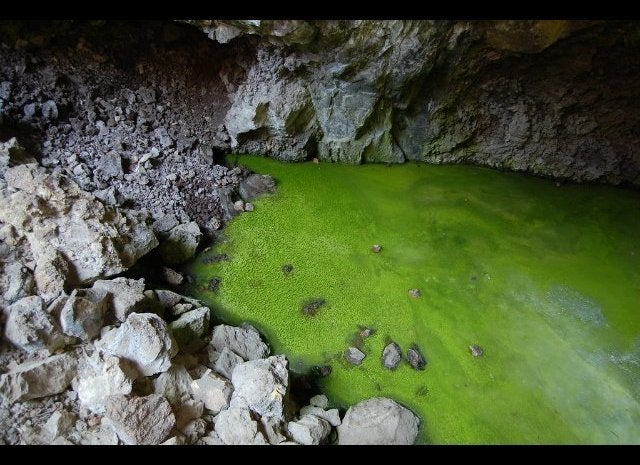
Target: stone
{"x": 354, "y": 355}
{"x": 235, "y": 426}
{"x": 58, "y": 424}
{"x": 261, "y": 386}
{"x": 174, "y": 384}
{"x": 415, "y": 293}
{"x": 311, "y": 306}
{"x": 64, "y": 224}
{"x": 109, "y": 166}
{"x": 226, "y": 362}
{"x": 272, "y": 430}
{"x": 168, "y": 298}
{"x": 332, "y": 416}
{"x": 186, "y": 411}
{"x": 376, "y": 248}
{"x": 179, "y": 309}
{"x": 238, "y": 205}
{"x": 320, "y": 401}
{"x": 194, "y": 429}
{"x": 39, "y": 378}
{"x": 181, "y": 243}
{"x": 16, "y": 282}
{"x": 140, "y": 420}
{"x": 31, "y": 328}
{"x": 476, "y": 350}
{"x": 243, "y": 342}
{"x": 211, "y": 439}
{"x": 255, "y": 185}
{"x": 143, "y": 339}
{"x": 171, "y": 276}
{"x": 100, "y": 436}
{"x": 178, "y": 440}
{"x": 100, "y": 376}
{"x": 190, "y": 328}
{"x": 82, "y": 315}
{"x": 123, "y": 294}
{"x": 213, "y": 390}
{"x": 378, "y": 421}
{"x": 415, "y": 358}
{"x": 287, "y": 268}
{"x": 309, "y": 430}
{"x": 391, "y": 356}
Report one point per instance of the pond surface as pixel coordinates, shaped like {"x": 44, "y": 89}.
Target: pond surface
{"x": 545, "y": 279}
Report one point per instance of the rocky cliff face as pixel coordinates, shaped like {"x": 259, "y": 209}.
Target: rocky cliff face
{"x": 554, "y": 98}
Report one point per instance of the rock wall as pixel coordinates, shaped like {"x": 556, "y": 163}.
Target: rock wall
{"x": 554, "y": 98}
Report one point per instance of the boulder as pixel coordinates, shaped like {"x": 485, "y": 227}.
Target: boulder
{"x": 181, "y": 243}
{"x": 309, "y": 430}
{"x": 354, "y": 355}
{"x": 70, "y": 232}
{"x": 124, "y": 295}
{"x": 174, "y": 384}
{"x": 391, "y": 356}
{"x": 31, "y": 328}
{"x": 39, "y": 378}
{"x": 82, "y": 315}
{"x": 261, "y": 386}
{"x": 190, "y": 328}
{"x": 226, "y": 362}
{"x": 143, "y": 339}
{"x": 243, "y": 341}
{"x": 213, "y": 390}
{"x": 256, "y": 184}
{"x": 140, "y": 420}
{"x": 235, "y": 426}
{"x": 378, "y": 421}
{"x": 100, "y": 376}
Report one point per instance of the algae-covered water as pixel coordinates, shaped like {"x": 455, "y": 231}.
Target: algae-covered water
{"x": 545, "y": 279}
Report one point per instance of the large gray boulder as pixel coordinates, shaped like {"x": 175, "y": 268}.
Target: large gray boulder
{"x": 235, "y": 426}
{"x": 40, "y": 378}
{"x": 261, "y": 386}
{"x": 31, "y": 328}
{"x": 124, "y": 295}
{"x": 143, "y": 339}
{"x": 82, "y": 315}
{"x": 100, "y": 376}
{"x": 245, "y": 342}
{"x": 181, "y": 243}
{"x": 75, "y": 238}
{"x": 140, "y": 420}
{"x": 378, "y": 421}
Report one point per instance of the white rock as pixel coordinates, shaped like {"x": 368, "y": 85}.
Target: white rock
{"x": 140, "y": 420}
{"x": 226, "y": 362}
{"x": 188, "y": 410}
{"x": 319, "y": 400}
{"x": 213, "y": 390}
{"x": 194, "y": 429}
{"x": 190, "y": 328}
{"x": 82, "y": 315}
{"x": 174, "y": 384}
{"x": 244, "y": 342}
{"x": 235, "y": 426}
{"x": 40, "y": 378}
{"x": 31, "y": 328}
{"x": 100, "y": 376}
{"x": 145, "y": 340}
{"x": 58, "y": 424}
{"x": 102, "y": 435}
{"x": 181, "y": 244}
{"x": 178, "y": 440}
{"x": 261, "y": 385}
{"x": 272, "y": 430}
{"x": 332, "y": 416}
{"x": 309, "y": 430}
{"x": 125, "y": 295}
{"x": 211, "y": 439}
{"x": 16, "y": 282}
{"x": 378, "y": 421}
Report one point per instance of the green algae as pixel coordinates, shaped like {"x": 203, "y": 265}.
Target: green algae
{"x": 545, "y": 279}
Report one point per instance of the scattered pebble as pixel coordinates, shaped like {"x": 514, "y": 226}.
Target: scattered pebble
{"x": 287, "y": 268}
{"x": 316, "y": 161}
{"x": 476, "y": 350}
{"x": 376, "y": 248}
{"x": 354, "y": 355}
{"x": 248, "y": 207}
{"x": 213, "y": 284}
{"x": 415, "y": 293}
{"x": 312, "y": 306}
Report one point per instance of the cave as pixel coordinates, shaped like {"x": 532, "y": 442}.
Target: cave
{"x": 319, "y": 232}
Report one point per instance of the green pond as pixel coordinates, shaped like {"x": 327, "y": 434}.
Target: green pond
{"x": 545, "y": 279}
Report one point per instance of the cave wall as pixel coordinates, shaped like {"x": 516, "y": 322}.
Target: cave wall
{"x": 556, "y": 98}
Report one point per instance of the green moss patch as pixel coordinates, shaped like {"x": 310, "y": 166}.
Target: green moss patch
{"x": 544, "y": 279}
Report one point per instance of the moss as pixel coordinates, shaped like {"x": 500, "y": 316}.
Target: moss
{"x": 545, "y": 280}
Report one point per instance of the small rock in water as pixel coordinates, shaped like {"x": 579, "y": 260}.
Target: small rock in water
{"x": 365, "y": 332}
{"x": 415, "y": 358}
{"x": 391, "y": 356}
{"x": 415, "y": 293}
{"x": 286, "y": 269}
{"x": 214, "y": 283}
{"x": 312, "y": 306}
{"x": 354, "y": 356}
{"x": 171, "y": 276}
{"x": 248, "y": 207}
{"x": 238, "y": 205}
{"x": 316, "y": 161}
{"x": 376, "y": 248}
{"x": 216, "y": 258}
{"x": 476, "y": 350}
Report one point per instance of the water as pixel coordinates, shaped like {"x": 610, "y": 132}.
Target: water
{"x": 545, "y": 279}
